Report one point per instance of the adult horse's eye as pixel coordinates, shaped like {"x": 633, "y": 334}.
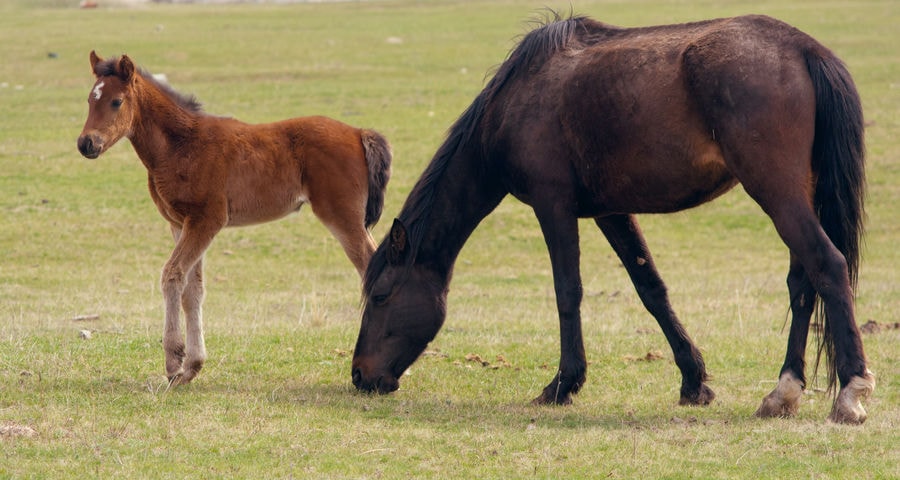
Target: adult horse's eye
{"x": 379, "y": 300}
{"x": 116, "y": 103}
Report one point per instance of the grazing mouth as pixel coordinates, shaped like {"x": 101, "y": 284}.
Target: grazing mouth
{"x": 382, "y": 385}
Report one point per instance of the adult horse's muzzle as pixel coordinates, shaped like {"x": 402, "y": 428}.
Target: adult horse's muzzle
{"x": 380, "y": 383}
{"x": 91, "y": 146}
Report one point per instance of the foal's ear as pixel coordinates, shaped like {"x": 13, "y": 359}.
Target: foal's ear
{"x": 399, "y": 242}
{"x": 125, "y": 68}
{"x": 95, "y": 59}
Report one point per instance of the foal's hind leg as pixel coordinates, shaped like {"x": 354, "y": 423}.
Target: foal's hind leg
{"x": 625, "y": 236}
{"x": 346, "y": 221}
{"x": 784, "y": 400}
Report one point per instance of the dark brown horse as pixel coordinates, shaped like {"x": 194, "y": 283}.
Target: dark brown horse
{"x": 206, "y": 173}
{"x": 590, "y": 120}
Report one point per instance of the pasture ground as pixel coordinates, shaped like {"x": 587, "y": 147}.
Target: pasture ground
{"x": 82, "y": 238}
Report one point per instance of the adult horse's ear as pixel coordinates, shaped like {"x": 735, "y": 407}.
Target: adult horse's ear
{"x": 125, "y": 68}
{"x": 399, "y": 242}
{"x": 95, "y": 60}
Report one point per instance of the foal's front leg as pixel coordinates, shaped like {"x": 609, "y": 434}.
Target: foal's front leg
{"x": 182, "y": 285}
{"x": 192, "y": 303}
{"x": 173, "y": 341}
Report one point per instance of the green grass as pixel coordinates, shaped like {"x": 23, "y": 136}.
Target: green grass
{"x": 80, "y": 237}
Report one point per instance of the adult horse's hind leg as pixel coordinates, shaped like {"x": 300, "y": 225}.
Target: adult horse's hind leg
{"x": 784, "y": 400}
{"x": 798, "y": 226}
{"x": 625, "y": 236}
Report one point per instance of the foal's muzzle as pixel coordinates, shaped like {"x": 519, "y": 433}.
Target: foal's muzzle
{"x": 90, "y": 146}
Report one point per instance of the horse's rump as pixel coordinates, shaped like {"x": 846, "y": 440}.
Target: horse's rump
{"x": 640, "y": 108}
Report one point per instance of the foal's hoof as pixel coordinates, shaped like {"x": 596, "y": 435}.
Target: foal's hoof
{"x": 185, "y": 376}
{"x": 176, "y": 379}
{"x": 703, "y": 397}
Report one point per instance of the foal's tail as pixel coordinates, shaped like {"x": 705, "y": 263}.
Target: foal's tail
{"x": 838, "y": 162}
{"x": 378, "y": 159}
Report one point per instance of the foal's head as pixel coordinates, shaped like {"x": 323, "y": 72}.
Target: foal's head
{"x": 110, "y": 105}
{"x": 405, "y": 306}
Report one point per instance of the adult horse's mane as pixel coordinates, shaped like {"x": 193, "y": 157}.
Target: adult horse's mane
{"x": 188, "y": 102}
{"x": 551, "y": 36}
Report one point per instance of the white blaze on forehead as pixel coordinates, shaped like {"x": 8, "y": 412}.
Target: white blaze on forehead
{"x": 98, "y": 89}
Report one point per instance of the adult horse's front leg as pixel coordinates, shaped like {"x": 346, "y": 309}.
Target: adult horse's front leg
{"x": 560, "y": 229}
{"x": 625, "y": 237}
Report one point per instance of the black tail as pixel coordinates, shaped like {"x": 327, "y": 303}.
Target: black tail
{"x": 378, "y": 159}
{"x": 839, "y": 163}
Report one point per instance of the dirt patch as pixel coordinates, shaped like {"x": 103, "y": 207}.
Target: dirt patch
{"x": 651, "y": 356}
{"x": 874, "y": 327}
{"x": 501, "y": 361}
{"x": 11, "y": 430}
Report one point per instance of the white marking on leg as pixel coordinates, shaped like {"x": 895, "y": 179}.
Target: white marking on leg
{"x": 848, "y": 406}
{"x": 784, "y": 401}
{"x": 98, "y": 89}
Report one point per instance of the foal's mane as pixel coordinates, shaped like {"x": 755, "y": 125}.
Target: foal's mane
{"x": 552, "y": 35}
{"x": 187, "y": 101}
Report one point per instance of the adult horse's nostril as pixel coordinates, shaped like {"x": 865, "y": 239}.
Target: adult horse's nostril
{"x": 357, "y": 377}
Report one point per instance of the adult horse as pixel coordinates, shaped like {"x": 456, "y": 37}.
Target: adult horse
{"x": 206, "y": 173}
{"x": 590, "y": 120}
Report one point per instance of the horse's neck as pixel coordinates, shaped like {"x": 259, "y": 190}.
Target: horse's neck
{"x": 160, "y": 126}
{"x": 464, "y": 194}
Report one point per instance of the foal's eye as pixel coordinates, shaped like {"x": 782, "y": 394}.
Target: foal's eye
{"x": 116, "y": 103}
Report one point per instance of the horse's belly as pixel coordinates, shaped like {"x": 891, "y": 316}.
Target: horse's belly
{"x": 259, "y": 209}
{"x": 660, "y": 183}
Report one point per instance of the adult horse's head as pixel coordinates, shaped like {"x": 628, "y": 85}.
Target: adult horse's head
{"x": 110, "y": 106}
{"x": 405, "y": 306}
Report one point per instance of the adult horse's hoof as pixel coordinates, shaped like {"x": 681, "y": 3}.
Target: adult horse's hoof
{"x": 560, "y": 390}
{"x": 848, "y": 407}
{"x": 552, "y": 399}
{"x": 703, "y": 397}
{"x": 784, "y": 400}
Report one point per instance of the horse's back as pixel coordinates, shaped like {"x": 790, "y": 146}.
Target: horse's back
{"x": 639, "y": 113}
{"x": 289, "y": 163}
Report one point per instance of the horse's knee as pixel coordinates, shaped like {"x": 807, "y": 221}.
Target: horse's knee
{"x": 172, "y": 281}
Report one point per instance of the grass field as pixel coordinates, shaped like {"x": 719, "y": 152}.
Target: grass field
{"x": 82, "y": 238}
